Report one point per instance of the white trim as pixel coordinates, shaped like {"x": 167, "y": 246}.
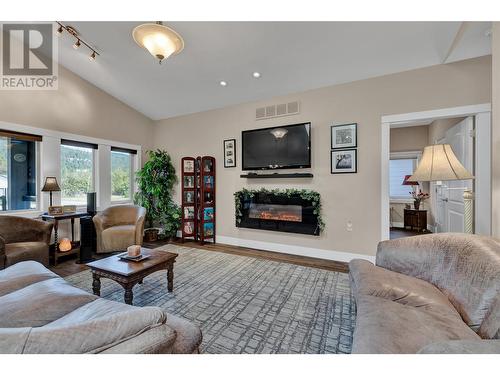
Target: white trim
{"x": 482, "y": 113}
{"x": 339, "y": 256}
{"x": 463, "y": 111}
{"x": 406, "y": 155}
{"x": 482, "y": 182}
{"x": 63, "y": 135}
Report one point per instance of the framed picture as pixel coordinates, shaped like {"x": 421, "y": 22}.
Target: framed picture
{"x": 188, "y": 227}
{"x": 189, "y": 181}
{"x": 230, "y": 153}
{"x": 56, "y": 210}
{"x": 344, "y": 136}
{"x": 189, "y": 197}
{"x": 188, "y": 213}
{"x": 188, "y": 166}
{"x": 344, "y": 161}
{"x": 69, "y": 209}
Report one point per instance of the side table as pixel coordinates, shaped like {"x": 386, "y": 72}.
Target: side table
{"x": 75, "y": 246}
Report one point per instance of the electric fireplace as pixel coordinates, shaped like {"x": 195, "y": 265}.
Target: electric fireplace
{"x": 280, "y": 213}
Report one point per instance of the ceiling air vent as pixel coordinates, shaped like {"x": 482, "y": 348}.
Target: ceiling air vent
{"x": 277, "y": 110}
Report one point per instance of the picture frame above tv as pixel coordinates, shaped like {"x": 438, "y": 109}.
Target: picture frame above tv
{"x": 277, "y": 147}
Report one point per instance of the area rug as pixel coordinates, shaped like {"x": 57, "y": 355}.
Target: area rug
{"x": 248, "y": 305}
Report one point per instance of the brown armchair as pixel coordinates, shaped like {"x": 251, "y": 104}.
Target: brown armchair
{"x": 118, "y": 227}
{"x": 23, "y": 239}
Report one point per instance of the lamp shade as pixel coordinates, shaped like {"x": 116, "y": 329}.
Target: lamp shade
{"x": 51, "y": 184}
{"x": 439, "y": 163}
{"x": 161, "y": 41}
{"x": 407, "y": 182}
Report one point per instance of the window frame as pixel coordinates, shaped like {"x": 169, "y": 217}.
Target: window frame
{"x": 133, "y": 170}
{"x": 31, "y": 212}
{"x": 95, "y": 169}
{"x": 414, "y": 155}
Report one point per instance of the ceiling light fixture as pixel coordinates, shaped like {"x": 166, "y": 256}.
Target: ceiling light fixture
{"x": 223, "y": 83}
{"x": 256, "y": 75}
{"x": 79, "y": 41}
{"x": 161, "y": 41}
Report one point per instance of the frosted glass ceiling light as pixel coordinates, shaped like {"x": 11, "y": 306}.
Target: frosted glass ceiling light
{"x": 161, "y": 41}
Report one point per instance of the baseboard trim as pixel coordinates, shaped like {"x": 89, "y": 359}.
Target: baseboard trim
{"x": 339, "y": 256}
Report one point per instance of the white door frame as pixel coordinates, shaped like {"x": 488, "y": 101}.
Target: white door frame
{"x": 482, "y": 113}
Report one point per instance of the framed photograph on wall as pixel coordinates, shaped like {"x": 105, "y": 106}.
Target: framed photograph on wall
{"x": 344, "y": 161}
{"x": 229, "y": 153}
{"x": 344, "y": 136}
{"x": 188, "y": 166}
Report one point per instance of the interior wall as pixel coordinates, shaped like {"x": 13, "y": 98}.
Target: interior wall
{"x": 412, "y": 138}
{"x": 438, "y": 128}
{"x": 77, "y": 107}
{"x": 346, "y": 198}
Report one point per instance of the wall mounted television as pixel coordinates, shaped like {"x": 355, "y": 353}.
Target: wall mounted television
{"x": 279, "y": 147}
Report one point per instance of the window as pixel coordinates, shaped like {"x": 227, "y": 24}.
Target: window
{"x": 77, "y": 172}
{"x": 18, "y": 161}
{"x": 121, "y": 175}
{"x": 398, "y": 169}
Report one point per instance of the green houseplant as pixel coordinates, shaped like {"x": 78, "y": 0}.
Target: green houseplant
{"x": 155, "y": 184}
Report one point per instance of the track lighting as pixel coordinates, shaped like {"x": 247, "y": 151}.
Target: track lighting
{"x": 79, "y": 41}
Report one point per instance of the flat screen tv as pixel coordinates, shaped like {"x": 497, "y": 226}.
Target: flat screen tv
{"x": 278, "y": 147}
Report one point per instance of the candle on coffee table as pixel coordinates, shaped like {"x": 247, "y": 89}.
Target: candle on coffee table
{"x": 134, "y": 251}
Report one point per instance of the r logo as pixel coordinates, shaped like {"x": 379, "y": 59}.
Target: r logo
{"x": 27, "y": 49}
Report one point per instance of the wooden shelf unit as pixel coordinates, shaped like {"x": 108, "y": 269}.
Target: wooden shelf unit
{"x": 198, "y": 198}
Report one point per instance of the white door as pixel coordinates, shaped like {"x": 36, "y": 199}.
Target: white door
{"x": 449, "y": 195}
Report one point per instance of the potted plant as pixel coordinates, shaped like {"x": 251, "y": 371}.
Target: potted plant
{"x": 171, "y": 221}
{"x": 155, "y": 182}
{"x": 418, "y": 197}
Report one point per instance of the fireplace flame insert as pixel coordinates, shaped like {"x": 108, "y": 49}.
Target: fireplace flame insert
{"x": 268, "y": 211}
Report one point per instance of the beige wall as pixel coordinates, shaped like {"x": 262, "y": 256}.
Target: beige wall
{"x": 77, "y": 107}
{"x": 438, "y": 128}
{"x": 495, "y": 131}
{"x": 353, "y": 197}
{"x": 413, "y": 138}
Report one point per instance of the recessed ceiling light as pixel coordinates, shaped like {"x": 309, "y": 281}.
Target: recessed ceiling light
{"x": 256, "y": 75}
{"x": 223, "y": 83}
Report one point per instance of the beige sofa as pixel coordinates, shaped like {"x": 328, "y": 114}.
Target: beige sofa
{"x": 118, "y": 227}
{"x": 437, "y": 293}
{"x": 41, "y": 313}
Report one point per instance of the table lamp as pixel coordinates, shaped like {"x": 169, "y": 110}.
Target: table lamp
{"x": 50, "y": 186}
{"x": 439, "y": 163}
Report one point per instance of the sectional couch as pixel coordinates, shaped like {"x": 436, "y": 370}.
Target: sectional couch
{"x": 42, "y": 313}
{"x": 437, "y": 293}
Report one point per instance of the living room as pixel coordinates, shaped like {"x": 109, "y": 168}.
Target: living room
{"x": 262, "y": 187}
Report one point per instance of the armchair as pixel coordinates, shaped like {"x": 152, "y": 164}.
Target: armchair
{"x": 23, "y": 239}
{"x": 118, "y": 227}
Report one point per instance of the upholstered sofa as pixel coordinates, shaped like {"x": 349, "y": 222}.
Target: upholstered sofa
{"x": 42, "y": 313}
{"x": 118, "y": 227}
{"x": 23, "y": 239}
{"x": 437, "y": 293}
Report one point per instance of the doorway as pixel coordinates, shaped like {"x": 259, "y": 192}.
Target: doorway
{"x": 467, "y": 129}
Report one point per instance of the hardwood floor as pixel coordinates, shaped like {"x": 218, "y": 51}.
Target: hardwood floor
{"x": 69, "y": 266}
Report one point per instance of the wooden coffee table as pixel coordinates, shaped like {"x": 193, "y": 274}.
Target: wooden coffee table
{"x": 128, "y": 273}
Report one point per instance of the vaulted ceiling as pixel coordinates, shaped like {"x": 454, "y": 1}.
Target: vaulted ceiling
{"x": 290, "y": 56}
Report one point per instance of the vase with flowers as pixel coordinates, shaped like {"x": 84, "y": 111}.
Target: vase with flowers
{"x": 418, "y": 197}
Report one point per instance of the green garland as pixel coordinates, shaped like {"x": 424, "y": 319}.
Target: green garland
{"x": 308, "y": 195}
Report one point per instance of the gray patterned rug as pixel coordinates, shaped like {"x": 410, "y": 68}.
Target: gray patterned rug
{"x": 248, "y": 305}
